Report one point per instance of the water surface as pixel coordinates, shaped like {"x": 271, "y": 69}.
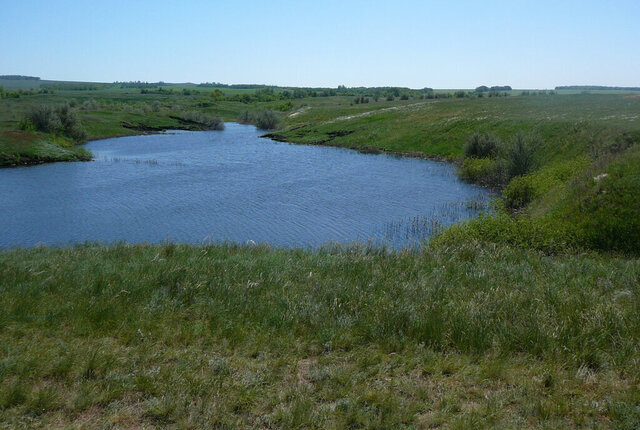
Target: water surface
{"x": 230, "y": 185}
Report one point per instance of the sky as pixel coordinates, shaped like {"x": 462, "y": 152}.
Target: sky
{"x": 326, "y": 43}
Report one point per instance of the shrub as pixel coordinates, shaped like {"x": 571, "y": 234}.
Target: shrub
{"x": 484, "y": 171}
{"x": 205, "y": 121}
{"x": 404, "y": 97}
{"x": 267, "y": 120}
{"x": 155, "y": 106}
{"x": 90, "y": 104}
{"x": 482, "y": 146}
{"x": 245, "y": 118}
{"x": 459, "y": 94}
{"x": 283, "y": 107}
{"x": 60, "y": 119}
{"x": 44, "y": 118}
{"x": 521, "y": 155}
{"x": 390, "y": 98}
{"x": 26, "y": 125}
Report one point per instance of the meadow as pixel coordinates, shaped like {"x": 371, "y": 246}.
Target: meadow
{"x": 525, "y": 318}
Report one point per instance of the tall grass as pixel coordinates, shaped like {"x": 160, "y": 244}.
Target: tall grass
{"x": 244, "y": 336}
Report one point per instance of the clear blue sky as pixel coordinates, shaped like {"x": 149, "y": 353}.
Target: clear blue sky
{"x": 440, "y": 44}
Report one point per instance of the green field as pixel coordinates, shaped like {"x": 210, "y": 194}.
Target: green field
{"x": 527, "y": 318}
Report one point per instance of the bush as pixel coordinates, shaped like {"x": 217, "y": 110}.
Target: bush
{"x": 404, "y": 97}
{"x": 521, "y": 155}
{"x": 267, "y": 120}
{"x": 44, "y": 118}
{"x": 283, "y": 107}
{"x": 60, "y": 119}
{"x": 25, "y": 124}
{"x": 482, "y": 146}
{"x": 245, "y": 118}
{"x": 205, "y": 121}
{"x": 485, "y": 171}
{"x": 90, "y": 104}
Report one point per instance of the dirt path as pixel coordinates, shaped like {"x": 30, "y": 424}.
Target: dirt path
{"x": 373, "y": 112}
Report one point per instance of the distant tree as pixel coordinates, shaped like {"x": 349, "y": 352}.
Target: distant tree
{"x": 404, "y": 97}
{"x": 482, "y": 89}
{"x": 501, "y": 88}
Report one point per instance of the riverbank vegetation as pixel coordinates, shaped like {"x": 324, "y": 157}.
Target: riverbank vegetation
{"x": 525, "y": 317}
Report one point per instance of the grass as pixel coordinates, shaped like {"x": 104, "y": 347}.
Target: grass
{"x": 229, "y": 336}
{"x": 23, "y": 148}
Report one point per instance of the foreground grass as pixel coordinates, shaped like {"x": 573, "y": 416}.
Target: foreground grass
{"x": 227, "y": 336}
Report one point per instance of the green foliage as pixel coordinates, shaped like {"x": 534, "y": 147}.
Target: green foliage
{"x": 523, "y": 190}
{"x": 482, "y": 146}
{"x": 505, "y": 229}
{"x": 206, "y": 122}
{"x": 283, "y": 107}
{"x": 485, "y": 171}
{"x": 575, "y": 208}
{"x": 267, "y": 120}
{"x": 520, "y": 154}
{"x": 245, "y": 117}
{"x": 604, "y": 206}
{"x": 25, "y": 124}
{"x": 59, "y": 119}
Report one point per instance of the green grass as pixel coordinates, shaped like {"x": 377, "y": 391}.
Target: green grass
{"x": 254, "y": 337}
{"x": 19, "y": 148}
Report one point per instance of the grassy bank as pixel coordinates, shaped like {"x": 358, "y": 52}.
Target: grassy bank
{"x": 228, "y": 336}
{"x": 19, "y": 148}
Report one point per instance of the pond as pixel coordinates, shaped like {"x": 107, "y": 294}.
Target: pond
{"x": 231, "y": 185}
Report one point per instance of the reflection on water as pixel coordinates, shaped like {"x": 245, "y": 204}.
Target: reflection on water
{"x": 231, "y": 185}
